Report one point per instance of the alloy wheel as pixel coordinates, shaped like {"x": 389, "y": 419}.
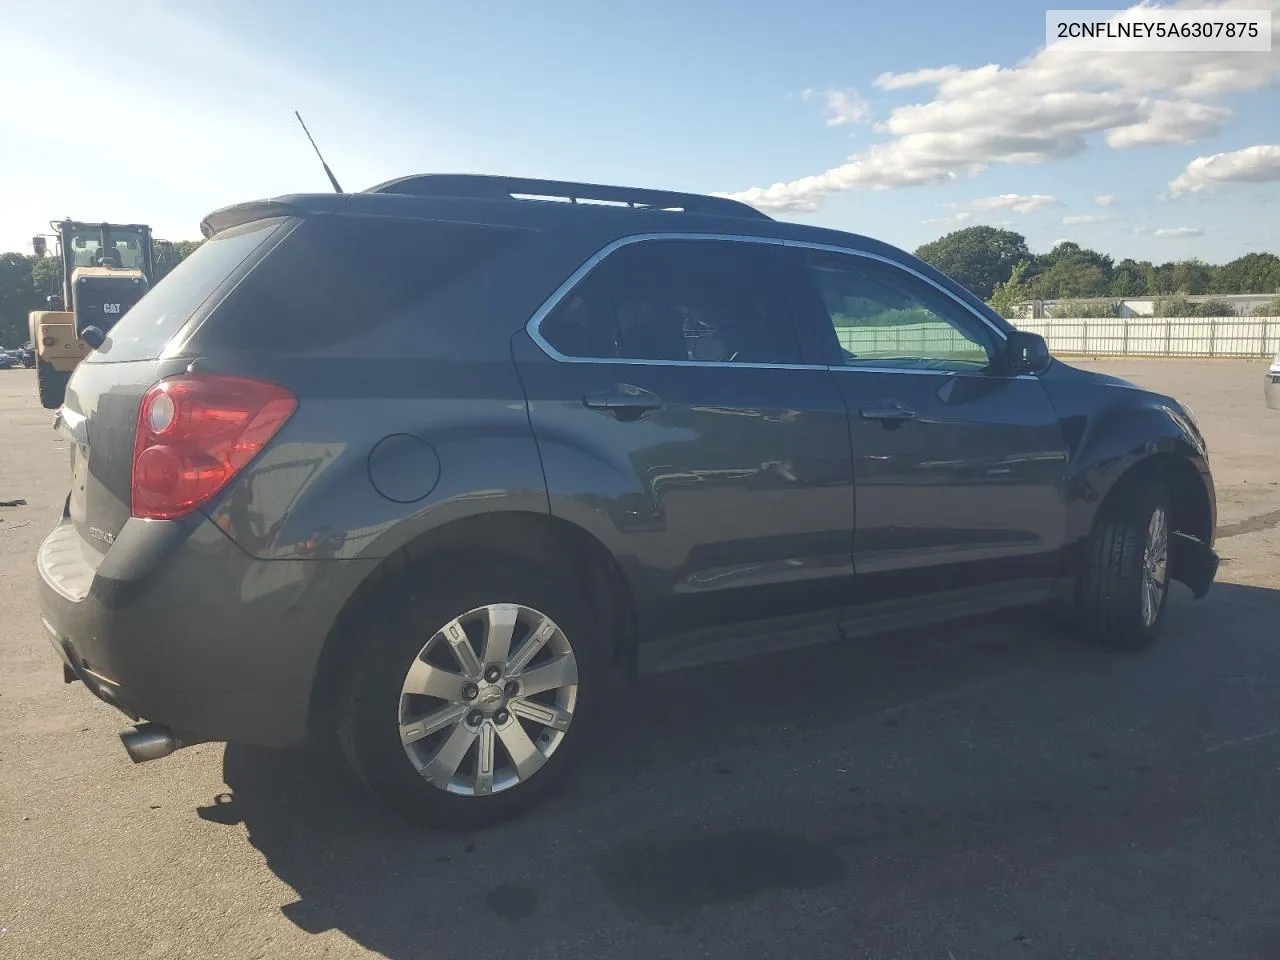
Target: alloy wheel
{"x": 1155, "y": 557}
{"x": 488, "y": 699}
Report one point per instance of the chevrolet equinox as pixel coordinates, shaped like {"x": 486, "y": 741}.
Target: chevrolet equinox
{"x": 416, "y": 467}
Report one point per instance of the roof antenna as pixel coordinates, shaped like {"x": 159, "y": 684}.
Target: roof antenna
{"x": 328, "y": 173}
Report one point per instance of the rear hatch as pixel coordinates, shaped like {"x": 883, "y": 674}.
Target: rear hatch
{"x": 100, "y": 414}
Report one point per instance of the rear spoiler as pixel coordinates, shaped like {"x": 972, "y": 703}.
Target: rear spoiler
{"x": 294, "y": 205}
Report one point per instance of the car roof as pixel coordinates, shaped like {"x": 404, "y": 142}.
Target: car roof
{"x": 612, "y": 211}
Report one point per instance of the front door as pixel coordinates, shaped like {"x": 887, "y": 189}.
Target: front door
{"x": 680, "y": 424}
{"x": 958, "y": 465}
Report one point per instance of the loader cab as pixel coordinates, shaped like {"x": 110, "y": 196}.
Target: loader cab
{"x": 116, "y": 246}
{"x": 107, "y": 268}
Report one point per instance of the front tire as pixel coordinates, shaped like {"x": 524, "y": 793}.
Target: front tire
{"x": 471, "y": 698}
{"x": 1124, "y": 587}
{"x": 52, "y": 385}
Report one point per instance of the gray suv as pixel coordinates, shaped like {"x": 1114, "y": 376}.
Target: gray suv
{"x": 415, "y": 468}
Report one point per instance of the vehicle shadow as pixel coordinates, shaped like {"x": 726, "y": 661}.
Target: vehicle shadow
{"x": 781, "y": 777}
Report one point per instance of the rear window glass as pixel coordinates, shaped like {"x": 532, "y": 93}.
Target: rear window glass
{"x": 143, "y": 332}
{"x": 336, "y": 277}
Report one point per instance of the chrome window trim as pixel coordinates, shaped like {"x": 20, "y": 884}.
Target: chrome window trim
{"x": 534, "y": 324}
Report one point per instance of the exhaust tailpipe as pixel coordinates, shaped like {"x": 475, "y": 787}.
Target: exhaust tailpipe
{"x": 149, "y": 741}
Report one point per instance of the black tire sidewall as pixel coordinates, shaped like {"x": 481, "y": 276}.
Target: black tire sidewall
{"x": 51, "y": 384}
{"x": 408, "y": 617}
{"x": 1122, "y": 584}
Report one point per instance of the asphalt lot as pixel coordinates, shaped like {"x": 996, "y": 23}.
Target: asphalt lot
{"x": 998, "y": 790}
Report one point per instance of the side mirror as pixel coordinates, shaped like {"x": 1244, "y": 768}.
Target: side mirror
{"x": 39, "y": 246}
{"x": 1027, "y": 352}
{"x": 93, "y": 336}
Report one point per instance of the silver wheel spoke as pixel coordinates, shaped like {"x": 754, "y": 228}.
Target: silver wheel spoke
{"x": 525, "y": 756}
{"x": 433, "y": 722}
{"x": 457, "y": 638}
{"x": 536, "y": 640}
{"x": 444, "y": 764}
{"x": 543, "y": 713}
{"x": 431, "y": 681}
{"x": 483, "y": 735}
{"x": 551, "y": 675}
{"x": 497, "y": 640}
{"x": 1154, "y": 561}
{"x": 484, "y": 760}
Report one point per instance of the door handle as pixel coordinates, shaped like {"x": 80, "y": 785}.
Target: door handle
{"x": 624, "y": 401}
{"x": 888, "y": 410}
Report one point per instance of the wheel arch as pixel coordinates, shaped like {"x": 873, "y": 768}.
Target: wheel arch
{"x": 1192, "y": 511}
{"x": 534, "y": 540}
{"x": 1190, "y": 505}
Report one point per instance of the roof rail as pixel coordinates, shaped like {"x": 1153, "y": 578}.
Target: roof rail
{"x": 485, "y": 187}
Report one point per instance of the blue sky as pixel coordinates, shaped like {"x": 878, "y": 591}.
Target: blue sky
{"x": 161, "y": 112}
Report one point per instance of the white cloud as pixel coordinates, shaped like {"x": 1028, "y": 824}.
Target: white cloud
{"x": 1105, "y": 200}
{"x": 1170, "y": 121}
{"x": 1041, "y": 110}
{"x": 1018, "y": 203}
{"x": 843, "y": 106}
{"x": 917, "y": 78}
{"x": 1077, "y": 219}
{"x": 1257, "y": 164}
{"x": 1170, "y": 233}
{"x": 960, "y": 216}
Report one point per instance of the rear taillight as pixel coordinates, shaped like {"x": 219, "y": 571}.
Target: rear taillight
{"x": 196, "y": 432}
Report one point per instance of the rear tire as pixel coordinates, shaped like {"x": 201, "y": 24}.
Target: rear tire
{"x": 1124, "y": 586}
{"x": 52, "y": 385}
{"x": 424, "y": 754}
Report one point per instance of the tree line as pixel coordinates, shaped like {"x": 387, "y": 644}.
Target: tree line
{"x": 27, "y": 281}
{"x": 996, "y": 265}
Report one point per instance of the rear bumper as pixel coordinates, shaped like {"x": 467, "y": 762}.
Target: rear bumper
{"x": 177, "y": 625}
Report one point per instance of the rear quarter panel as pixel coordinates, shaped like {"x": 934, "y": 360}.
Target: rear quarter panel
{"x": 311, "y": 494}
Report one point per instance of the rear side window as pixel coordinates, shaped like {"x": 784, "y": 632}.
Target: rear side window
{"x": 336, "y": 277}
{"x": 143, "y": 332}
{"x": 714, "y": 301}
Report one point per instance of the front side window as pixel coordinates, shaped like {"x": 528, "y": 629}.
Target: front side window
{"x": 884, "y": 316}
{"x": 711, "y": 301}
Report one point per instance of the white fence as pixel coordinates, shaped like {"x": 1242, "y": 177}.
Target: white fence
{"x": 1159, "y": 336}
{"x": 1119, "y": 337}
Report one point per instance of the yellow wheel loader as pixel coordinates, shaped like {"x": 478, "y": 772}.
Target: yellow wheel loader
{"x": 106, "y": 269}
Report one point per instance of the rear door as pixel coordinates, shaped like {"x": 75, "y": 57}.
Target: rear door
{"x": 959, "y": 466}
{"x": 679, "y": 421}
{"x": 100, "y": 412}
